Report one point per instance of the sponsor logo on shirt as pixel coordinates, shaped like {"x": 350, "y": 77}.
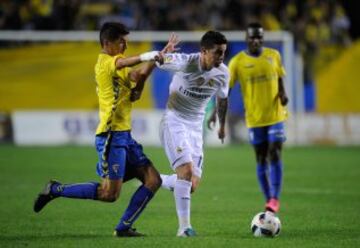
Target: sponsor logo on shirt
{"x": 249, "y": 66}
{"x": 168, "y": 59}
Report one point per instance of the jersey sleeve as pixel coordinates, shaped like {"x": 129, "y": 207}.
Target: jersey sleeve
{"x": 175, "y": 62}
{"x": 123, "y": 72}
{"x": 280, "y": 68}
{"x": 233, "y": 72}
{"x": 223, "y": 90}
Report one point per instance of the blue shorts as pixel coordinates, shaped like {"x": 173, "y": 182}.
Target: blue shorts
{"x": 119, "y": 155}
{"x": 272, "y": 133}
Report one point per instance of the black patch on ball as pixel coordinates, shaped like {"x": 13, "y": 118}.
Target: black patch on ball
{"x": 265, "y": 232}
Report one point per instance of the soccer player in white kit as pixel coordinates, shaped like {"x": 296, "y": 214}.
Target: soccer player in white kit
{"x": 198, "y": 77}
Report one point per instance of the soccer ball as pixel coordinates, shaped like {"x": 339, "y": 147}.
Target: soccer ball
{"x": 265, "y": 224}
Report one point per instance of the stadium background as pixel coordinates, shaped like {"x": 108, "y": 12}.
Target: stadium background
{"x": 59, "y": 75}
{"x": 47, "y": 90}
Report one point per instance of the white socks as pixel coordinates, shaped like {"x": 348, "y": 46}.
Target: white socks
{"x": 182, "y": 200}
{"x": 168, "y": 181}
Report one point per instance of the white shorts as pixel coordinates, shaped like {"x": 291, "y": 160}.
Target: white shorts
{"x": 182, "y": 141}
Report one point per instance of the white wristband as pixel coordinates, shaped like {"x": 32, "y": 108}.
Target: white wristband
{"x": 149, "y": 56}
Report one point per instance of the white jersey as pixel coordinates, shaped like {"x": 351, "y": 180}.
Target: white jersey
{"x": 191, "y": 87}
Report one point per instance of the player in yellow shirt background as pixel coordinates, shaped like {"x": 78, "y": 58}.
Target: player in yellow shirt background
{"x": 121, "y": 158}
{"x": 260, "y": 73}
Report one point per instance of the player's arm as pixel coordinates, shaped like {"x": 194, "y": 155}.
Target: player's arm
{"x": 282, "y": 93}
{"x": 139, "y": 76}
{"x": 148, "y": 56}
{"x": 135, "y": 60}
{"x": 281, "y": 73}
{"x": 221, "y": 107}
{"x": 142, "y": 73}
{"x": 212, "y": 119}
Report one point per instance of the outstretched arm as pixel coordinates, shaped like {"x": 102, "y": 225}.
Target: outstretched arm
{"x": 135, "y": 60}
{"x": 141, "y": 74}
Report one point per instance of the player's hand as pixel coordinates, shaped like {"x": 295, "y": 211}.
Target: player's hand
{"x": 283, "y": 99}
{"x": 221, "y": 134}
{"x": 171, "y": 45}
{"x": 135, "y": 95}
{"x": 211, "y": 121}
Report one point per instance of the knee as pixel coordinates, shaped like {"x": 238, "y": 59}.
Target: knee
{"x": 108, "y": 196}
{"x": 261, "y": 159}
{"x": 185, "y": 173}
{"x": 274, "y": 154}
{"x": 153, "y": 182}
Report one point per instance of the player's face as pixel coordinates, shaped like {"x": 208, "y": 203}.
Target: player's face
{"x": 213, "y": 57}
{"x": 116, "y": 47}
{"x": 255, "y": 40}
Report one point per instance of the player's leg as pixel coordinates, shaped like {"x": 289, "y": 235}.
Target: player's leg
{"x": 168, "y": 181}
{"x": 111, "y": 167}
{"x": 258, "y": 138}
{"x": 139, "y": 166}
{"x": 276, "y": 138}
{"x": 262, "y": 168}
{"x": 54, "y": 189}
{"x": 193, "y": 171}
{"x": 175, "y": 140}
{"x": 182, "y": 195}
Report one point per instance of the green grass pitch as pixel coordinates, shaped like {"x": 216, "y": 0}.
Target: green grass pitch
{"x": 320, "y": 201}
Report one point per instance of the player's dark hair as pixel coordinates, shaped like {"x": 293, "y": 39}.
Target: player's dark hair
{"x": 254, "y": 29}
{"x": 254, "y": 25}
{"x": 111, "y": 31}
{"x": 211, "y": 38}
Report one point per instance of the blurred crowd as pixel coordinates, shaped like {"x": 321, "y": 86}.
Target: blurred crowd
{"x": 309, "y": 19}
{"x": 314, "y": 23}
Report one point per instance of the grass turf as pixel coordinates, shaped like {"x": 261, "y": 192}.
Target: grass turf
{"x": 319, "y": 206}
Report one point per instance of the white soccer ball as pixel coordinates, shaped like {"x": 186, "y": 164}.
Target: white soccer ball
{"x": 265, "y": 224}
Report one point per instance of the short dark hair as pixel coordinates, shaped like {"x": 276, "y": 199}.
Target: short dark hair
{"x": 255, "y": 29}
{"x": 211, "y": 38}
{"x": 111, "y": 31}
{"x": 254, "y": 25}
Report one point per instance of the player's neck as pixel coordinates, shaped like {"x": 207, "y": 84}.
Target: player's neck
{"x": 255, "y": 53}
{"x": 203, "y": 65}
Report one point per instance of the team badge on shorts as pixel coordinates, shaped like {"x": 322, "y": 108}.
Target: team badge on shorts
{"x": 115, "y": 168}
{"x": 179, "y": 149}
